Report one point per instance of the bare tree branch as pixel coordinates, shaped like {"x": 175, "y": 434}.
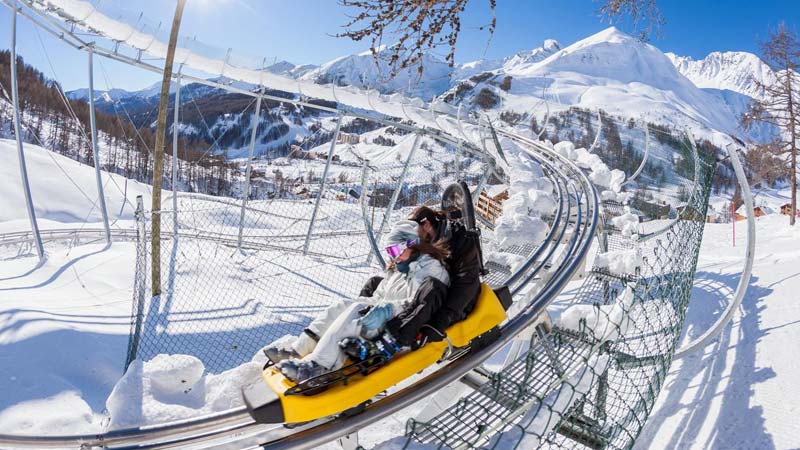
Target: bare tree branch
{"x": 414, "y": 26}
{"x": 644, "y": 14}
{"x": 780, "y": 105}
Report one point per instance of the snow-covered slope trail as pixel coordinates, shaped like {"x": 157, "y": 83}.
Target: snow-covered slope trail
{"x": 64, "y": 192}
{"x": 741, "y": 392}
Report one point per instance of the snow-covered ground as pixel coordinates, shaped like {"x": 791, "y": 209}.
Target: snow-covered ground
{"x": 63, "y": 336}
{"x": 64, "y": 327}
{"x": 741, "y": 392}
{"x": 64, "y": 332}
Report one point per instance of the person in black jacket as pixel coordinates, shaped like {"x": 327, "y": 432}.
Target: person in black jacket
{"x": 435, "y": 306}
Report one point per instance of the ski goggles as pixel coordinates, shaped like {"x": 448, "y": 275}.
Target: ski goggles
{"x": 395, "y": 250}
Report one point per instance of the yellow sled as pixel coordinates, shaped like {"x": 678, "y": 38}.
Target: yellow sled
{"x": 274, "y": 402}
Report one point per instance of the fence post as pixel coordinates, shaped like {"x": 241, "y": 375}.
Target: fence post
{"x": 246, "y": 193}
{"x": 481, "y": 183}
{"x": 175, "y": 124}
{"x": 23, "y": 169}
{"x": 96, "y": 147}
{"x": 139, "y": 282}
{"x": 322, "y": 183}
{"x": 367, "y": 224}
{"x": 396, "y": 193}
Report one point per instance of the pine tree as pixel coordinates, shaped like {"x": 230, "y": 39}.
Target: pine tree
{"x": 780, "y": 103}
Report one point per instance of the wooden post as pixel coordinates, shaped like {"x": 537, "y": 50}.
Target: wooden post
{"x": 158, "y": 151}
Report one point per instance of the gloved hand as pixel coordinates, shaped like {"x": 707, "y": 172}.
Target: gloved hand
{"x": 372, "y": 323}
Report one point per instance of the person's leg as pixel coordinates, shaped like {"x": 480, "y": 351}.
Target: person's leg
{"x": 307, "y": 341}
{"x": 327, "y": 352}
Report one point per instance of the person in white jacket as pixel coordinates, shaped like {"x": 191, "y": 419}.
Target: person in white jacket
{"x": 316, "y": 351}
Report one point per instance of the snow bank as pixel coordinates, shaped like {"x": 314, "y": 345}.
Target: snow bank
{"x": 510, "y": 260}
{"x": 600, "y": 174}
{"x": 63, "y": 411}
{"x": 611, "y": 196}
{"x": 519, "y": 229}
{"x": 530, "y": 198}
{"x": 173, "y": 387}
{"x": 604, "y": 322}
{"x": 627, "y": 223}
{"x": 620, "y": 262}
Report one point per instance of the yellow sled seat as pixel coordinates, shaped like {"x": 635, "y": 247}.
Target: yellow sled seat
{"x": 268, "y": 403}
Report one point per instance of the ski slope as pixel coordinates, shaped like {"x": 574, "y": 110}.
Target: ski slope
{"x": 741, "y": 391}
{"x": 64, "y": 191}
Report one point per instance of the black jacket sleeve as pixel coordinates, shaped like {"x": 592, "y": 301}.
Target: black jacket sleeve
{"x": 369, "y": 287}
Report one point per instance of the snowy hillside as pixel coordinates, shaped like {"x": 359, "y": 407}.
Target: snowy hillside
{"x": 733, "y": 71}
{"x": 613, "y": 71}
{"x": 64, "y": 191}
{"x": 360, "y": 70}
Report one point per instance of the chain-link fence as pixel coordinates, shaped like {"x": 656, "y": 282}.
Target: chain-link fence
{"x": 589, "y": 381}
{"x": 239, "y": 274}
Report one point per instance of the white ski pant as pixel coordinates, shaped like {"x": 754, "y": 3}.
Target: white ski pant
{"x": 337, "y": 322}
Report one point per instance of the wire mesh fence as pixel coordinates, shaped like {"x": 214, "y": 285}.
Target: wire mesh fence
{"x": 239, "y": 273}
{"x": 590, "y": 381}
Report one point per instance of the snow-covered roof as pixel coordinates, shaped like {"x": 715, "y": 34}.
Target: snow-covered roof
{"x": 495, "y": 190}
{"x": 742, "y": 211}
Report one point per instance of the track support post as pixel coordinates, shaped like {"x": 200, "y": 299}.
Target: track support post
{"x": 349, "y": 442}
{"x": 367, "y": 222}
{"x": 175, "y": 123}
{"x": 396, "y": 193}
{"x": 101, "y": 198}
{"x": 246, "y": 191}
{"x": 481, "y": 184}
{"x": 23, "y": 168}
{"x": 322, "y": 183}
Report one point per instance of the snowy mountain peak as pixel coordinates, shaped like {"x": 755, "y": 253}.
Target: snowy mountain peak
{"x": 360, "y": 70}
{"x": 551, "y": 45}
{"x": 611, "y": 34}
{"x": 528, "y": 57}
{"x": 609, "y": 54}
{"x": 733, "y": 71}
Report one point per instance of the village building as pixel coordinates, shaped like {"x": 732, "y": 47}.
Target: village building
{"x": 490, "y": 202}
{"x": 758, "y": 211}
{"x": 349, "y": 138}
{"x": 786, "y": 209}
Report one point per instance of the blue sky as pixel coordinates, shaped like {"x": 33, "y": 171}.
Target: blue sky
{"x": 300, "y": 31}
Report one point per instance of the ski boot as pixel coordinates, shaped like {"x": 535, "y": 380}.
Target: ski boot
{"x": 360, "y": 349}
{"x": 298, "y": 370}
{"x": 281, "y": 349}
